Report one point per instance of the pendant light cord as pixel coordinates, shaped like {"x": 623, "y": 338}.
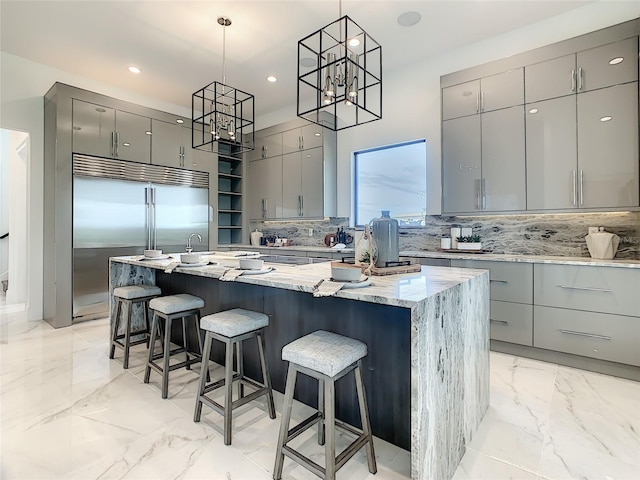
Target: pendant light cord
{"x": 224, "y": 51}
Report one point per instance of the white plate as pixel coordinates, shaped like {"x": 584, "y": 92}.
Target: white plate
{"x": 359, "y": 284}
{"x": 161, "y": 257}
{"x": 257, "y": 272}
{"x": 199, "y": 264}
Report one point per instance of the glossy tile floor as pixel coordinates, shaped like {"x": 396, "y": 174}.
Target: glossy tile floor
{"x": 68, "y": 412}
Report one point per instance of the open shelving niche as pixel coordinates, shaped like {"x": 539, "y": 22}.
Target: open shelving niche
{"x": 230, "y": 168}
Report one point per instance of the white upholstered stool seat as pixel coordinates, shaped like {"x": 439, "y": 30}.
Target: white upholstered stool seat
{"x": 180, "y": 307}
{"x": 237, "y": 321}
{"x": 128, "y": 297}
{"x": 327, "y": 357}
{"x": 232, "y": 327}
{"x": 136, "y": 291}
{"x": 176, "y": 303}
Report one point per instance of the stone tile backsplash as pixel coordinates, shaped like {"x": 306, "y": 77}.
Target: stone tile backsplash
{"x": 551, "y": 234}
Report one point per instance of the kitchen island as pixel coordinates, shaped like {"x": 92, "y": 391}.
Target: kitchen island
{"x": 427, "y": 369}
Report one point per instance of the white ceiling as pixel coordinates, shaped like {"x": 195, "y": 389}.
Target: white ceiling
{"x": 178, "y": 44}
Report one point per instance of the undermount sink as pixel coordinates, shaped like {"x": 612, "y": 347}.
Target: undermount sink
{"x": 292, "y": 260}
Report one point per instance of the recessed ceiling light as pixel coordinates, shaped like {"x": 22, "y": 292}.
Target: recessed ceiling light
{"x": 179, "y": 120}
{"x": 308, "y": 62}
{"x": 271, "y": 79}
{"x": 605, "y": 119}
{"x": 134, "y": 69}
{"x": 409, "y": 19}
{"x": 354, "y": 42}
{"x": 533, "y": 110}
{"x": 616, "y": 61}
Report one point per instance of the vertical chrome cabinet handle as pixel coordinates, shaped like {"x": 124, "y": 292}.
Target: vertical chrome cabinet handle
{"x": 574, "y": 188}
{"x": 266, "y": 151}
{"x": 301, "y": 205}
{"x": 484, "y": 194}
{"x": 573, "y": 80}
{"x": 478, "y": 194}
{"x": 482, "y": 102}
{"x": 581, "y": 187}
{"x": 580, "y": 79}
{"x": 478, "y": 102}
{"x": 113, "y": 144}
{"x": 302, "y": 142}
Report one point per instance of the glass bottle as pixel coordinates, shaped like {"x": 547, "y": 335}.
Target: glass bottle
{"x": 387, "y": 238}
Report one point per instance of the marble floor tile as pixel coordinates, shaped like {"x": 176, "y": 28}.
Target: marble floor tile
{"x": 68, "y": 412}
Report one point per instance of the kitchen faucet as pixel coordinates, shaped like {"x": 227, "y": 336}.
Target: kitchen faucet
{"x": 189, "y": 248}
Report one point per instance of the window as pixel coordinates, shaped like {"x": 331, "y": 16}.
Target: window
{"x": 394, "y": 178}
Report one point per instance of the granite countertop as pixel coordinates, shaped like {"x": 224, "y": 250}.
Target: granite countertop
{"x": 625, "y": 263}
{"x": 404, "y": 290}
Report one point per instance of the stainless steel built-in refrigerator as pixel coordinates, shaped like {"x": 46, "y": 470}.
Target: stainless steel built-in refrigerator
{"x": 123, "y": 208}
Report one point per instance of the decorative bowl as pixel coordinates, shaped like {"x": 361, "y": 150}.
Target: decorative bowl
{"x": 190, "y": 258}
{"x": 251, "y": 263}
{"x": 152, "y": 253}
{"x": 344, "y": 272}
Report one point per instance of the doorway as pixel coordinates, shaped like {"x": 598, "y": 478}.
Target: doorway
{"x": 14, "y": 240}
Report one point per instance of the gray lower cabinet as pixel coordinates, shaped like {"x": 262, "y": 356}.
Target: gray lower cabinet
{"x": 265, "y": 188}
{"x": 484, "y": 162}
{"x": 615, "y": 338}
{"x": 511, "y": 297}
{"x": 106, "y": 132}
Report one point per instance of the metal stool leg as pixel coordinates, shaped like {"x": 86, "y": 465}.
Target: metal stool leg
{"x": 154, "y": 330}
{"x": 266, "y": 378}
{"x": 321, "y": 425}
{"x": 364, "y": 417}
{"x": 330, "y": 430}
{"x": 228, "y": 390}
{"x": 286, "y": 418}
{"x": 240, "y": 368}
{"x": 145, "y": 305}
{"x": 127, "y": 335}
{"x": 116, "y": 326}
{"x": 165, "y": 358}
{"x": 203, "y": 377}
{"x": 184, "y": 339}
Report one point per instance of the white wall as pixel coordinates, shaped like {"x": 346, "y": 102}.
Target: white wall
{"x": 411, "y": 107}
{"x": 411, "y": 97}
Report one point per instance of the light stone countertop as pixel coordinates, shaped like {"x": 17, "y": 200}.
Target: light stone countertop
{"x": 403, "y": 290}
{"x": 625, "y": 263}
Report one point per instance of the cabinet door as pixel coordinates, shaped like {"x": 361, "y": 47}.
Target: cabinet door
{"x": 133, "y": 137}
{"x": 312, "y": 201}
{"x": 93, "y": 126}
{"x": 265, "y": 188}
{"x": 166, "y": 144}
{"x": 600, "y": 67}
{"x": 291, "y": 141}
{"x": 552, "y": 154}
{"x": 311, "y": 136}
{"x": 266, "y": 146}
{"x": 461, "y": 164}
{"x": 502, "y": 90}
{"x": 461, "y": 100}
{"x": 503, "y": 160}
{"x": 608, "y": 147}
{"x": 291, "y": 184}
{"x": 550, "y": 79}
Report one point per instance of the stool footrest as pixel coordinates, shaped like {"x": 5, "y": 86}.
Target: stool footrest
{"x": 302, "y": 426}
{"x": 159, "y": 369}
{"x": 351, "y": 450}
{"x": 220, "y": 383}
{"x": 131, "y": 343}
{"x": 306, "y": 462}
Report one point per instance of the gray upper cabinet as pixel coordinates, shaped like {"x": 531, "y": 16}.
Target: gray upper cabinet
{"x": 266, "y": 146}
{"x": 265, "y": 188}
{"x": 167, "y": 144}
{"x": 608, "y": 147}
{"x": 603, "y": 66}
{"x": 503, "y": 90}
{"x": 106, "y": 132}
{"x": 503, "y": 160}
{"x": 303, "y": 138}
{"x": 611, "y": 64}
{"x": 550, "y": 79}
{"x": 552, "y": 152}
{"x": 484, "y": 162}
{"x": 461, "y": 164}
{"x": 302, "y": 188}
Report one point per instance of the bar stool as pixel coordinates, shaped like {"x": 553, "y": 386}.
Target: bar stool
{"x": 327, "y": 357}
{"x": 129, "y": 296}
{"x": 170, "y": 308}
{"x": 233, "y": 327}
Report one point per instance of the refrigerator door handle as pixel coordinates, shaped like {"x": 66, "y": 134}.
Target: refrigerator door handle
{"x": 147, "y": 204}
{"x": 153, "y": 217}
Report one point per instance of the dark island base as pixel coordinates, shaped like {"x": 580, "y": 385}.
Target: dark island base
{"x": 385, "y": 330}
